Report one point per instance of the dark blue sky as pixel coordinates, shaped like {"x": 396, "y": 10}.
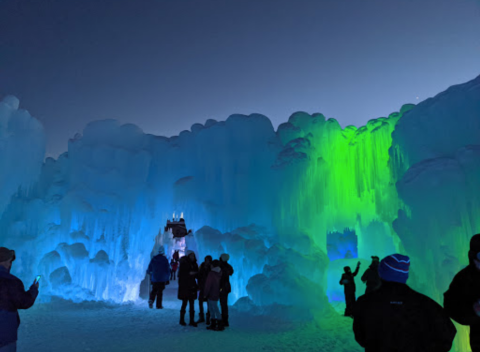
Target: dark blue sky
{"x": 165, "y": 65}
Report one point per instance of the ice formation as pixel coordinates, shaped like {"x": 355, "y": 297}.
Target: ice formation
{"x": 291, "y": 207}
{"x": 22, "y": 149}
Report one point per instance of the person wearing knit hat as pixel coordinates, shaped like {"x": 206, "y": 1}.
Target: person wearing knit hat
{"x": 394, "y": 268}
{"x": 225, "y": 287}
{"x": 12, "y": 298}
{"x": 159, "y": 271}
{"x": 396, "y": 318}
{"x": 462, "y": 299}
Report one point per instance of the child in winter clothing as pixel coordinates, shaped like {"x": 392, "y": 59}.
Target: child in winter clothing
{"x": 212, "y": 294}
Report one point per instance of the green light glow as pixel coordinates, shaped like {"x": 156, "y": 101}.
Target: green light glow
{"x": 347, "y": 182}
{"x": 347, "y": 179}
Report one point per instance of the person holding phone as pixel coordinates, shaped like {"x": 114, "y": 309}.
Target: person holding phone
{"x": 12, "y": 298}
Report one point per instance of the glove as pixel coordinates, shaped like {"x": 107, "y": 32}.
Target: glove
{"x": 476, "y": 307}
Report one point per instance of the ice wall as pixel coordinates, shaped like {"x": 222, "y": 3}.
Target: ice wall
{"x": 344, "y": 178}
{"x": 98, "y": 208}
{"x": 337, "y": 179}
{"x": 436, "y": 156}
{"x": 22, "y": 149}
{"x": 90, "y": 222}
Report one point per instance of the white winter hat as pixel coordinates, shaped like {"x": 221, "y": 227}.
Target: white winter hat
{"x": 161, "y": 250}
{"x": 224, "y": 257}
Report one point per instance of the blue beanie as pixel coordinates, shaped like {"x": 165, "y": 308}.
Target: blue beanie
{"x": 394, "y": 268}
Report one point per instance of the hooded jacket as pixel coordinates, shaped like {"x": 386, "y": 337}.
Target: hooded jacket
{"x": 212, "y": 284}
{"x": 12, "y": 298}
{"x": 159, "y": 269}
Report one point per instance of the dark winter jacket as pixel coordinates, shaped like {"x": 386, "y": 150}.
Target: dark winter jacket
{"x": 202, "y": 276}
{"x": 396, "y": 318}
{"x": 212, "y": 284}
{"x": 462, "y": 294}
{"x": 350, "y": 286}
{"x": 187, "y": 284}
{"x": 159, "y": 269}
{"x": 12, "y": 298}
{"x": 227, "y": 271}
{"x": 371, "y": 277}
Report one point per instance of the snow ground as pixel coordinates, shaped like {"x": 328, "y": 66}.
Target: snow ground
{"x": 65, "y": 326}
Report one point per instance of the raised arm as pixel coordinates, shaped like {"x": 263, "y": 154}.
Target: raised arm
{"x": 20, "y": 298}
{"x": 356, "y": 270}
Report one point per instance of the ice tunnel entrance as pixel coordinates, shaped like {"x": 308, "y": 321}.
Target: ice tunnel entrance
{"x": 342, "y": 250}
{"x": 176, "y": 239}
{"x": 342, "y": 245}
{"x": 355, "y": 245}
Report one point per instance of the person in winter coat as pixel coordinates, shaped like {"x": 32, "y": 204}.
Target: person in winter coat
{"x": 225, "y": 287}
{"x": 12, "y": 298}
{"x": 396, "y": 318}
{"x": 187, "y": 286}
{"x": 212, "y": 295}
{"x": 159, "y": 271}
{"x": 202, "y": 278}
{"x": 462, "y": 300}
{"x": 348, "y": 282}
{"x": 173, "y": 269}
{"x": 371, "y": 277}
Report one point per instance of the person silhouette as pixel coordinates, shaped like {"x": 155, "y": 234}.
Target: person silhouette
{"x": 348, "y": 282}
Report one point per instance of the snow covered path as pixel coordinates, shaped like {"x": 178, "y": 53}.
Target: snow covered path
{"x": 98, "y": 327}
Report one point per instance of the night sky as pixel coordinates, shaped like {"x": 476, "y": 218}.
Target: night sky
{"x": 165, "y": 65}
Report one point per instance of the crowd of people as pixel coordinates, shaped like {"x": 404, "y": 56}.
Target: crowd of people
{"x": 209, "y": 283}
{"x": 390, "y": 316}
